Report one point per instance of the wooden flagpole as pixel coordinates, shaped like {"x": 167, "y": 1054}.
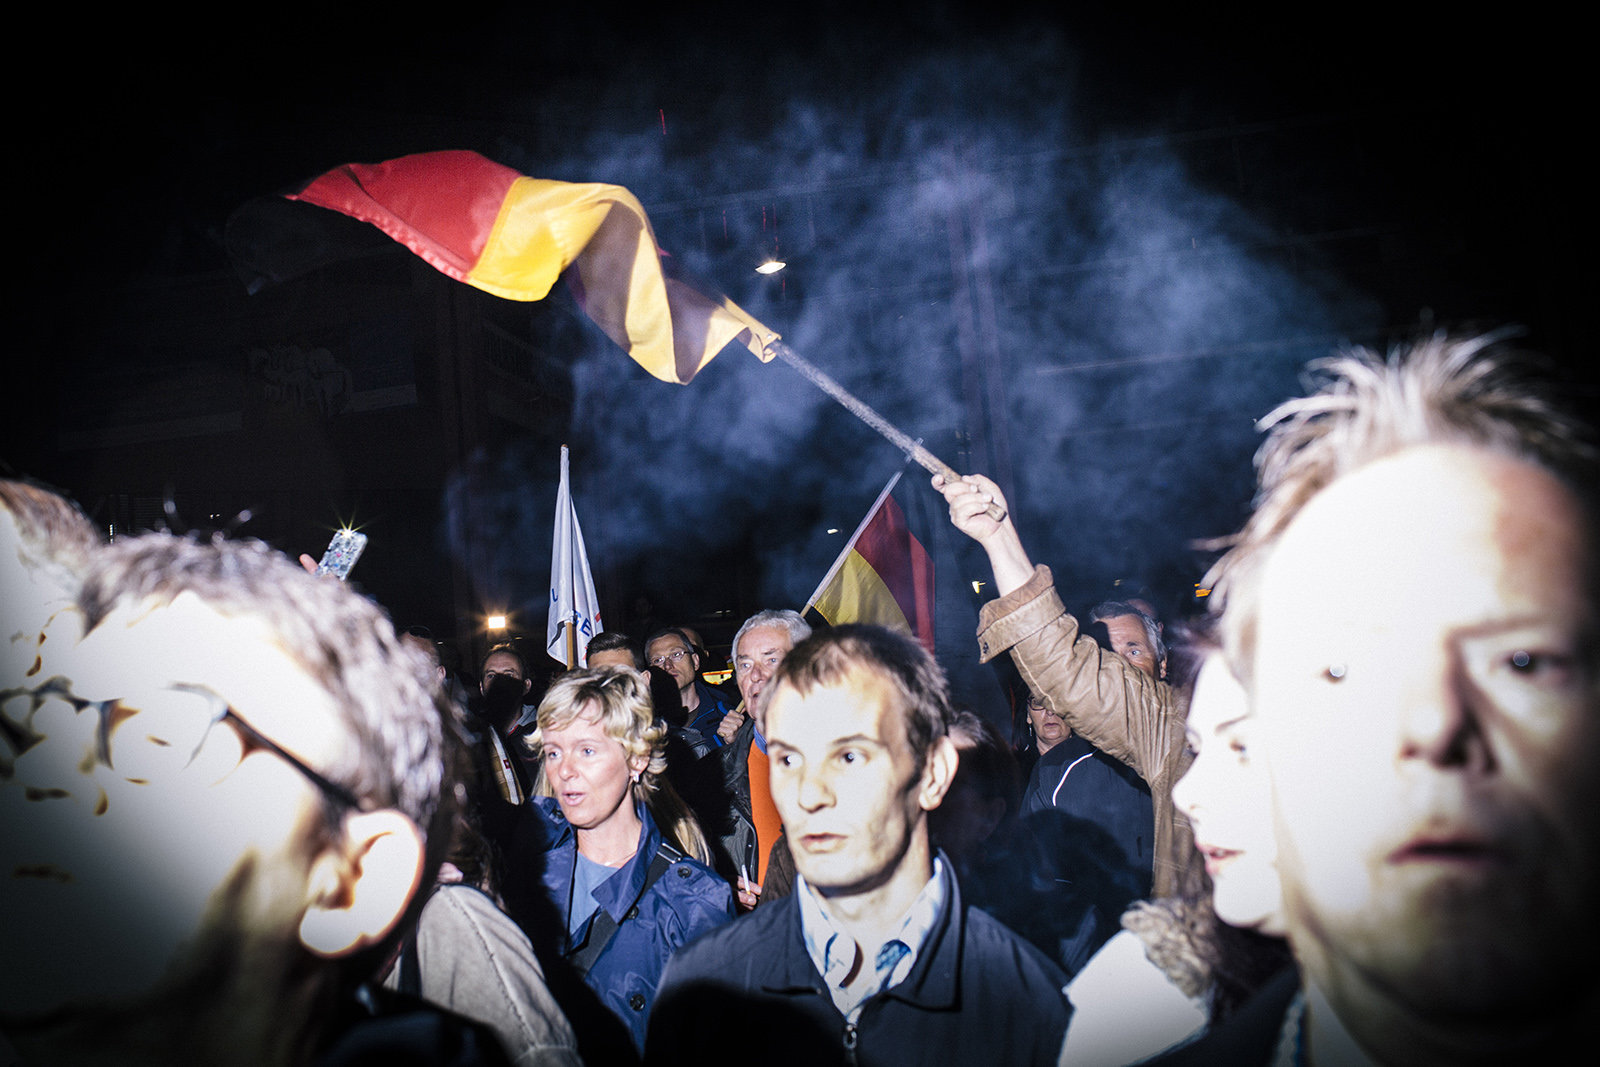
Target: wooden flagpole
{"x": 914, "y": 450}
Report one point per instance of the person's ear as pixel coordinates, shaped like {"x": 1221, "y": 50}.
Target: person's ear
{"x": 359, "y": 887}
{"x": 938, "y": 773}
{"x": 527, "y": 686}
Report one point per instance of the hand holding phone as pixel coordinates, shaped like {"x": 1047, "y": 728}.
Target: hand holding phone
{"x": 342, "y": 553}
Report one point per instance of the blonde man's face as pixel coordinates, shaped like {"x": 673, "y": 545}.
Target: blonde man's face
{"x": 1425, "y": 684}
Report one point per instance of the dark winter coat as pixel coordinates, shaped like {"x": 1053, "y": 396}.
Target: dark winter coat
{"x": 976, "y": 994}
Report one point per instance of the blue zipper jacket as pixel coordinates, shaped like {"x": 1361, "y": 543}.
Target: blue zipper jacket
{"x": 684, "y": 902}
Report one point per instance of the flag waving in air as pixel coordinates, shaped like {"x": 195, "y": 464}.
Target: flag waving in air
{"x": 511, "y": 235}
{"x": 574, "y": 608}
{"x": 884, "y": 575}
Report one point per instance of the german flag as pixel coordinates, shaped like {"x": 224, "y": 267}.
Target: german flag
{"x": 883, "y": 576}
{"x": 483, "y": 223}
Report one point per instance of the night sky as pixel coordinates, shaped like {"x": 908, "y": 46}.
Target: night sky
{"x": 1171, "y": 211}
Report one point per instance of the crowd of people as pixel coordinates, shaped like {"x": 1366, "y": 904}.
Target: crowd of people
{"x": 1347, "y": 816}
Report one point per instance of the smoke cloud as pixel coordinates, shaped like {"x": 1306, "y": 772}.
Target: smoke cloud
{"x": 966, "y": 250}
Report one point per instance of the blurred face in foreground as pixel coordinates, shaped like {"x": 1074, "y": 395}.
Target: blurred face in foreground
{"x": 1228, "y": 801}
{"x": 1425, "y": 684}
{"x": 146, "y": 837}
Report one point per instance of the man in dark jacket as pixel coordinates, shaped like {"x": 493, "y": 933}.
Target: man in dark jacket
{"x": 704, "y": 706}
{"x": 873, "y": 958}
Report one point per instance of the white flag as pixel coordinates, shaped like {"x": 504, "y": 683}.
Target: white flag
{"x": 572, "y": 599}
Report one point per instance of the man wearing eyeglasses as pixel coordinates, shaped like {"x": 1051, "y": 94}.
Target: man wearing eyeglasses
{"x": 219, "y": 813}
{"x": 704, "y": 707}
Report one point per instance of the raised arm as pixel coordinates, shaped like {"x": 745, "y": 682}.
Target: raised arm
{"x": 1100, "y": 697}
{"x": 969, "y": 500}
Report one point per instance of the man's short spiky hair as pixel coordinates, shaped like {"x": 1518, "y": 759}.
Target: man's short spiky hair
{"x": 614, "y": 640}
{"x": 1441, "y": 390}
{"x": 504, "y": 648}
{"x": 829, "y": 656}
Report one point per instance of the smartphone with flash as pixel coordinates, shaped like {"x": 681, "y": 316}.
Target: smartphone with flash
{"x": 343, "y": 551}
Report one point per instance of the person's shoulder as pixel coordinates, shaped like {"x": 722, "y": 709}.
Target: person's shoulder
{"x": 1063, "y": 752}
{"x": 459, "y": 900}
{"x": 541, "y": 818}
{"x": 711, "y": 998}
{"x": 461, "y": 906}
{"x": 715, "y": 694}
{"x": 687, "y": 876}
{"x": 1249, "y": 1036}
{"x": 686, "y": 743}
{"x": 546, "y": 808}
{"x": 1013, "y": 985}
{"x": 383, "y": 1026}
{"x": 722, "y": 949}
{"x": 997, "y": 948}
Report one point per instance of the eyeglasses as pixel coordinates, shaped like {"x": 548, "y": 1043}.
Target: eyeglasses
{"x": 149, "y": 744}
{"x": 670, "y": 657}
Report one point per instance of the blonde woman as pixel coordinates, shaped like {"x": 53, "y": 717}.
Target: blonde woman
{"x": 624, "y": 863}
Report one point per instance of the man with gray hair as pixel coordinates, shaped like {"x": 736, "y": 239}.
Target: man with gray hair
{"x": 752, "y": 825}
{"x": 1412, "y": 606}
{"x": 1134, "y": 634}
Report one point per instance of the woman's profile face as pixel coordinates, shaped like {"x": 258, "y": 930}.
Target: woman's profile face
{"x": 1227, "y": 799}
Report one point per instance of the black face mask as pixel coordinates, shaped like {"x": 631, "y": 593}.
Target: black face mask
{"x": 502, "y": 701}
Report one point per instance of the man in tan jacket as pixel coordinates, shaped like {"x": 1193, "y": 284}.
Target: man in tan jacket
{"x": 1121, "y": 709}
